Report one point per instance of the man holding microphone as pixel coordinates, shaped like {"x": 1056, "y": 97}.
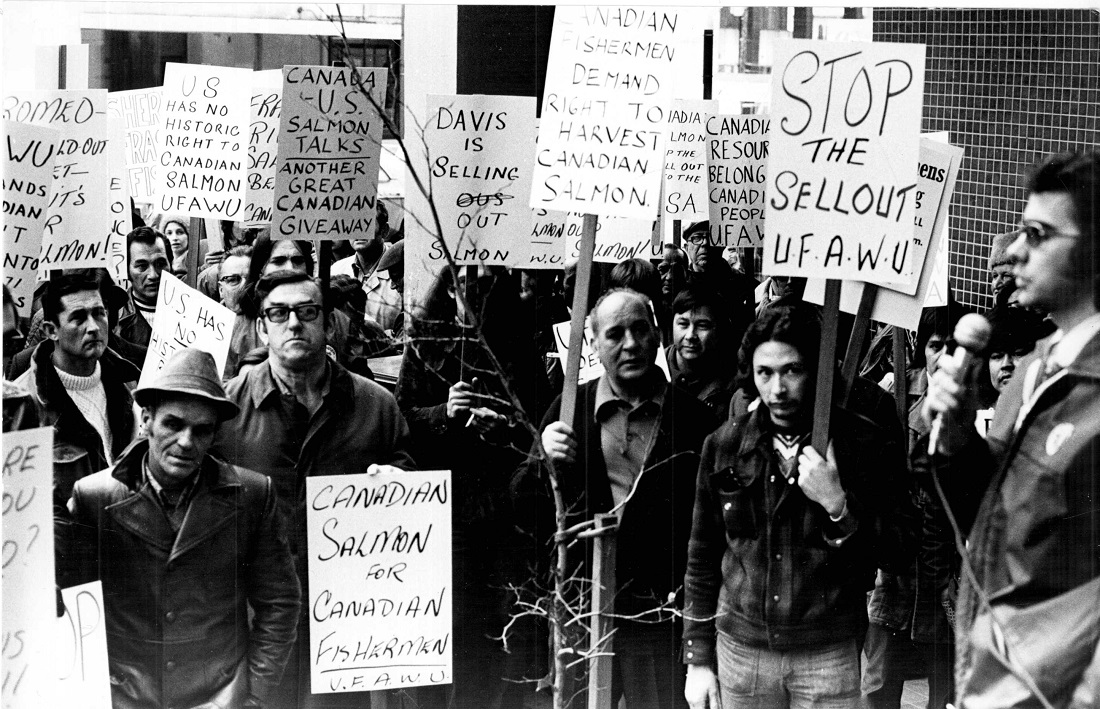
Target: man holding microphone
{"x": 1028, "y": 497}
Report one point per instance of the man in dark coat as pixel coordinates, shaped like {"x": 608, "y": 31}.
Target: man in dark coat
{"x": 78, "y": 385}
{"x": 634, "y": 451}
{"x": 1028, "y": 619}
{"x": 185, "y": 546}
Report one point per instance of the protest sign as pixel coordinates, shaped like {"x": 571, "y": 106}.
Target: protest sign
{"x": 83, "y": 677}
{"x": 186, "y": 318}
{"x": 30, "y": 609}
{"x": 30, "y": 152}
{"x": 140, "y": 111}
{"x": 937, "y": 284}
{"x": 330, "y": 139}
{"x": 380, "y": 613}
{"x": 617, "y": 239}
{"x": 76, "y": 225}
{"x": 479, "y": 147}
{"x": 843, "y": 160}
{"x": 892, "y": 306}
{"x": 933, "y": 170}
{"x": 122, "y": 220}
{"x": 685, "y": 192}
{"x": 204, "y": 134}
{"x": 609, "y": 88}
{"x": 737, "y": 158}
{"x": 591, "y": 367}
{"x": 263, "y": 146}
{"x": 549, "y": 234}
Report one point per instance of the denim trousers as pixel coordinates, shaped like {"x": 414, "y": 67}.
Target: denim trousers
{"x": 825, "y": 677}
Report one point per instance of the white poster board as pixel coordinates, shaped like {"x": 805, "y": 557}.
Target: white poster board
{"x": 330, "y": 140}
{"x": 617, "y": 239}
{"x": 685, "y": 189}
{"x": 140, "y": 111}
{"x": 609, "y": 87}
{"x": 121, "y": 220}
{"x": 480, "y": 153}
{"x": 737, "y": 160}
{"x": 892, "y": 306}
{"x": 77, "y": 219}
{"x": 379, "y": 558}
{"x": 263, "y": 145}
{"x": 29, "y": 156}
{"x": 843, "y": 160}
{"x": 30, "y": 606}
{"x": 83, "y": 675}
{"x": 186, "y": 318}
{"x": 204, "y": 141}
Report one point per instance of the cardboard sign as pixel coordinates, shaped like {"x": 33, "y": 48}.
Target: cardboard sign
{"x": 380, "y": 613}
{"x": 77, "y": 219}
{"x": 843, "y": 160}
{"x": 685, "y": 192}
{"x": 934, "y": 171}
{"x": 894, "y": 307}
{"x": 479, "y": 148}
{"x": 938, "y": 283}
{"x": 80, "y": 649}
{"x": 204, "y": 129}
{"x": 591, "y": 367}
{"x": 29, "y": 156}
{"x": 549, "y": 234}
{"x": 140, "y": 111}
{"x": 330, "y": 139}
{"x": 30, "y": 608}
{"x": 122, "y": 219}
{"x": 617, "y": 239}
{"x": 609, "y": 89}
{"x": 263, "y": 146}
{"x": 737, "y": 158}
{"x": 186, "y": 318}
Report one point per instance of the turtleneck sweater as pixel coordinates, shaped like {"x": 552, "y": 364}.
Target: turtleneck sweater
{"x": 91, "y": 399}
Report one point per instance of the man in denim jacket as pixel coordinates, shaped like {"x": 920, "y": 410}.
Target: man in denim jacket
{"x": 785, "y": 542}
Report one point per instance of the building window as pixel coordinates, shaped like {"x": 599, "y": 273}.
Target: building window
{"x": 375, "y": 53}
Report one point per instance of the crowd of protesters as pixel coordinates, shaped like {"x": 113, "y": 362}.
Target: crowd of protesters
{"x": 779, "y": 574}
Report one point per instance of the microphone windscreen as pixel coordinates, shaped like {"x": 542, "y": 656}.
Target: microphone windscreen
{"x": 973, "y": 332}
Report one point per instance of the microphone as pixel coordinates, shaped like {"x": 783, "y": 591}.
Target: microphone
{"x": 972, "y": 334}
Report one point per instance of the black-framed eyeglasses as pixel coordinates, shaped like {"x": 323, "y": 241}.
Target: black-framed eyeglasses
{"x": 1036, "y": 234}
{"x": 306, "y": 312}
{"x": 231, "y": 280}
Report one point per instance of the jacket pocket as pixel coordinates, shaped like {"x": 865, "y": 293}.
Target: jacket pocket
{"x": 735, "y": 498}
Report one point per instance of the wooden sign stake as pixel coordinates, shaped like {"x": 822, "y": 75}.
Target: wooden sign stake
{"x": 900, "y": 382}
{"x": 826, "y": 366}
{"x": 855, "y": 340}
{"x": 603, "y": 600}
{"x": 576, "y": 322}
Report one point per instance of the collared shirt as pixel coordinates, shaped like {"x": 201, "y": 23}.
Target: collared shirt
{"x": 627, "y": 433}
{"x": 1062, "y": 349}
{"x": 175, "y": 508}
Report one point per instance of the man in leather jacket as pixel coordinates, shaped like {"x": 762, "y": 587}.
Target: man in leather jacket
{"x": 185, "y": 545}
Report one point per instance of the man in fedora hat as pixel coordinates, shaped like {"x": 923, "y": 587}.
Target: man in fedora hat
{"x": 185, "y": 546}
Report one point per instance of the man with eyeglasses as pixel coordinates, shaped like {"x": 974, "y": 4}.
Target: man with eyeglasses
{"x": 1027, "y": 623}
{"x": 232, "y": 274}
{"x": 303, "y": 414}
{"x": 79, "y": 386}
